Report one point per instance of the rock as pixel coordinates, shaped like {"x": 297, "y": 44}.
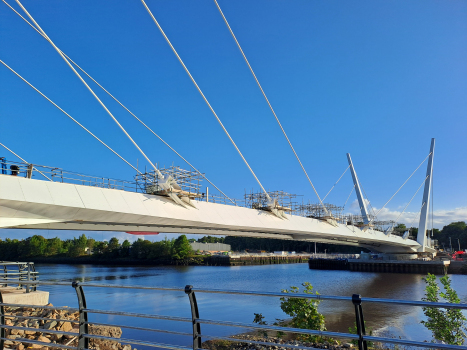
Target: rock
{"x": 113, "y": 332}
{"x": 66, "y": 327}
{"x": 57, "y": 337}
{"x": 348, "y": 345}
{"x": 20, "y": 347}
{"x": 13, "y": 336}
{"x": 127, "y": 347}
{"x": 50, "y": 324}
{"x": 43, "y": 339}
{"x": 8, "y": 342}
{"x": 17, "y": 332}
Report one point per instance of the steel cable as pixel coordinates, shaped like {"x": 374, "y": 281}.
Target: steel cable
{"x": 204, "y": 97}
{"x": 89, "y": 88}
{"x": 270, "y": 106}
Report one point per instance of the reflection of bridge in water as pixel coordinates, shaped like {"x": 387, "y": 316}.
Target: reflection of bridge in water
{"x": 167, "y": 200}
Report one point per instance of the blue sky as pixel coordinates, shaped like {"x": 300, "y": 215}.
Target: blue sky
{"x": 375, "y": 79}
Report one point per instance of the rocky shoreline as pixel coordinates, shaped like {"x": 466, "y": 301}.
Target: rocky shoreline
{"x": 17, "y": 338}
{"x": 279, "y": 344}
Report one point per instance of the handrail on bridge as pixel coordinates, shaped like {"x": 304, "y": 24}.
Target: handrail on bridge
{"x": 196, "y": 321}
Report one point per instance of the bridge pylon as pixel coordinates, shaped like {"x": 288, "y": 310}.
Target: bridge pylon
{"x": 358, "y": 191}
{"x": 423, "y": 225}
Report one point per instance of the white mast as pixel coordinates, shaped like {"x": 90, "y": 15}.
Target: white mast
{"x": 423, "y": 225}
{"x": 358, "y": 190}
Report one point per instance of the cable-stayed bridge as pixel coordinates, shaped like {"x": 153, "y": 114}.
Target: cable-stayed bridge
{"x": 164, "y": 206}
{"x": 99, "y": 204}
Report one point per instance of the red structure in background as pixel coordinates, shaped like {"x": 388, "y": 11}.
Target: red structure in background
{"x": 459, "y": 256}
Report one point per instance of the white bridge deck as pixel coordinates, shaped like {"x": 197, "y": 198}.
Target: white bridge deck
{"x": 37, "y": 204}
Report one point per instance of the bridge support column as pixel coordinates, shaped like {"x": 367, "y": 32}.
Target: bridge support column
{"x": 423, "y": 225}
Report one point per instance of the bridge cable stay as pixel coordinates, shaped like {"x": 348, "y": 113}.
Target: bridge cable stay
{"x": 271, "y": 203}
{"x": 87, "y": 86}
{"x": 336, "y": 181}
{"x": 167, "y": 184}
{"x": 269, "y": 104}
{"x": 121, "y": 104}
{"x": 69, "y": 116}
{"x": 400, "y": 188}
{"x": 40, "y": 172}
{"x": 402, "y": 212}
{"x": 147, "y": 127}
{"x": 367, "y": 198}
{"x": 351, "y": 191}
{"x": 415, "y": 218}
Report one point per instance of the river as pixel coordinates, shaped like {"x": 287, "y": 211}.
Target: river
{"x": 383, "y": 319}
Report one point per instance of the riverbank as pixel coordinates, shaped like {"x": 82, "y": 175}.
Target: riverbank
{"x": 253, "y": 342}
{"x": 201, "y": 260}
{"x": 26, "y": 320}
{"x": 437, "y": 267}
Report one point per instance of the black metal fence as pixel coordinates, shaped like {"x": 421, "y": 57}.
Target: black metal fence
{"x": 196, "y": 321}
{"x": 15, "y": 273}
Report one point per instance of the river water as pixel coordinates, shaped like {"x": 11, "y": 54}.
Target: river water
{"x": 383, "y": 319}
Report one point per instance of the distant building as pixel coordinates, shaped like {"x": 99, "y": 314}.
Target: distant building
{"x": 210, "y": 247}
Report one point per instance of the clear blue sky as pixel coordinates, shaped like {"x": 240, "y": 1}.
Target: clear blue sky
{"x": 377, "y": 79}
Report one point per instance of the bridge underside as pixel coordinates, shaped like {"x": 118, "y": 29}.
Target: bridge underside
{"x": 36, "y": 204}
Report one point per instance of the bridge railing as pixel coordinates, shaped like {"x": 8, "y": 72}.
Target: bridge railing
{"x": 84, "y": 336}
{"x": 59, "y": 175}
{"x": 17, "y": 274}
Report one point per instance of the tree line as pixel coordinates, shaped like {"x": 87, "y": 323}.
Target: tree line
{"x": 37, "y": 246}
{"x": 452, "y": 236}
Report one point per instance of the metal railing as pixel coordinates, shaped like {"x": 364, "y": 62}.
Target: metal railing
{"x": 17, "y": 273}
{"x": 59, "y": 175}
{"x": 196, "y": 321}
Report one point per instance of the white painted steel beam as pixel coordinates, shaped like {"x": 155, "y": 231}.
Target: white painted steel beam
{"x": 36, "y": 204}
{"x": 358, "y": 191}
{"x": 424, "y": 213}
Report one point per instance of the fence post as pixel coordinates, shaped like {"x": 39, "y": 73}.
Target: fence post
{"x": 194, "y": 317}
{"x": 357, "y": 301}
{"x": 5, "y": 276}
{"x": 29, "y": 172}
{"x": 34, "y": 276}
{"x": 83, "y": 342}
{"x": 2, "y": 323}
{"x": 29, "y": 277}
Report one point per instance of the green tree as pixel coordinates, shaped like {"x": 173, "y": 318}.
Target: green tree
{"x": 114, "y": 244}
{"x": 181, "y": 248}
{"x": 90, "y": 243}
{"x": 100, "y": 248}
{"x": 36, "y": 245}
{"x": 304, "y": 312}
{"x": 446, "y": 325}
{"x": 125, "y": 251}
{"x": 54, "y": 246}
{"x": 210, "y": 239}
